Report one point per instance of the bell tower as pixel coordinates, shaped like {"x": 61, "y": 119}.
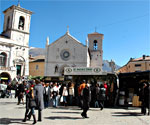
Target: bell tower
{"x": 95, "y": 46}
{"x": 17, "y": 24}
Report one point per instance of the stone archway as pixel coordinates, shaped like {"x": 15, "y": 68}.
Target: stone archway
{"x": 4, "y": 76}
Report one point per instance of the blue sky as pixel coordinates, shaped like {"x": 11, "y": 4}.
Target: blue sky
{"x": 124, "y": 23}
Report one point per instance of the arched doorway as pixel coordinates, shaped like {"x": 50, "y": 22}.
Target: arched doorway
{"x": 20, "y": 66}
{"x": 5, "y": 77}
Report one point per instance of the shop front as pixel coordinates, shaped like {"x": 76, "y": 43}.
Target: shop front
{"x": 129, "y": 86}
{"x": 93, "y": 75}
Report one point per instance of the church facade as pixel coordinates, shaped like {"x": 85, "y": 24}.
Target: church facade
{"x": 14, "y": 43}
{"x": 67, "y": 51}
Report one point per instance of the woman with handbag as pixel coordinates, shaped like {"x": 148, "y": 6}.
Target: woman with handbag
{"x": 30, "y": 105}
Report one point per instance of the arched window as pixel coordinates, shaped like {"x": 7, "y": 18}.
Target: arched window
{"x": 21, "y": 23}
{"x": 56, "y": 69}
{"x": 95, "y": 46}
{"x": 3, "y": 59}
{"x": 8, "y": 20}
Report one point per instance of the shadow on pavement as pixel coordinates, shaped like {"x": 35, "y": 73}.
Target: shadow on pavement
{"x": 4, "y": 103}
{"x": 122, "y": 114}
{"x": 68, "y": 112}
{"x": 63, "y": 117}
{"x": 7, "y": 121}
{"x": 66, "y": 108}
{"x": 20, "y": 107}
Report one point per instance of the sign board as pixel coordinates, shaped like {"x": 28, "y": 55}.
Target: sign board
{"x": 82, "y": 71}
{"x": 54, "y": 78}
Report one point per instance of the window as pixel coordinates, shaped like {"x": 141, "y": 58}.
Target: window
{"x": 21, "y": 23}
{"x": 8, "y": 20}
{"x": 95, "y": 46}
{"x": 37, "y": 67}
{"x": 3, "y": 59}
{"x": 137, "y": 65}
{"x": 56, "y": 69}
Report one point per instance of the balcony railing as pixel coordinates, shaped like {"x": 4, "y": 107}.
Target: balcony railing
{"x": 7, "y": 68}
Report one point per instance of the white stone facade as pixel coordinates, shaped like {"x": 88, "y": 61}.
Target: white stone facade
{"x": 69, "y": 52}
{"x": 14, "y": 42}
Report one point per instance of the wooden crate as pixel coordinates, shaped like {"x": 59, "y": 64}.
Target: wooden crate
{"x": 135, "y": 101}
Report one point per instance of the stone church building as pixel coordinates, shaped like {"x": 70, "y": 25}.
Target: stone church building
{"x": 14, "y": 43}
{"x": 67, "y": 51}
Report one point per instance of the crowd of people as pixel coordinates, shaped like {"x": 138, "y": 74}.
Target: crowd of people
{"x": 40, "y": 95}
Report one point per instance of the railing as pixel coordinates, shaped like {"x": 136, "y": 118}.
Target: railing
{"x": 7, "y": 68}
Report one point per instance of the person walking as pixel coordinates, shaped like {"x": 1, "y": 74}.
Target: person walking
{"x": 71, "y": 93}
{"x": 102, "y": 96}
{"x": 97, "y": 89}
{"x": 16, "y": 89}
{"x": 47, "y": 94}
{"x": 65, "y": 94}
{"x": 21, "y": 90}
{"x": 39, "y": 92}
{"x": 147, "y": 98}
{"x": 81, "y": 87}
{"x": 30, "y": 105}
{"x": 142, "y": 97}
{"x": 86, "y": 100}
{"x": 55, "y": 92}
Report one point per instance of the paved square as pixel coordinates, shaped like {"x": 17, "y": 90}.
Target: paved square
{"x": 13, "y": 114}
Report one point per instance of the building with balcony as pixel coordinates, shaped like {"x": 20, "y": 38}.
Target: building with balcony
{"x": 14, "y": 43}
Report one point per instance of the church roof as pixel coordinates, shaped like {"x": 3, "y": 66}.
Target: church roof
{"x": 17, "y": 8}
{"x": 67, "y": 34}
{"x": 95, "y": 33}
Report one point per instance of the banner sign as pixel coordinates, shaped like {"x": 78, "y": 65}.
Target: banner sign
{"x": 82, "y": 71}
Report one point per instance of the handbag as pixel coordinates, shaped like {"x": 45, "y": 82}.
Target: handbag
{"x": 32, "y": 103}
{"x": 61, "y": 99}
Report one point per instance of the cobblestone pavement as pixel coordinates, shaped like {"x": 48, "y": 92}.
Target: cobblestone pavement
{"x": 11, "y": 113}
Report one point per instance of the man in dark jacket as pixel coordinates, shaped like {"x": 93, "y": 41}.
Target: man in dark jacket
{"x": 142, "y": 97}
{"x": 21, "y": 90}
{"x": 102, "y": 96}
{"x": 86, "y": 101}
{"x": 39, "y": 91}
{"x": 147, "y": 97}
